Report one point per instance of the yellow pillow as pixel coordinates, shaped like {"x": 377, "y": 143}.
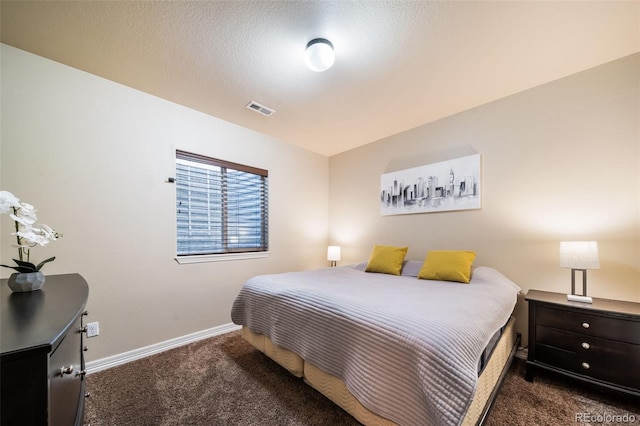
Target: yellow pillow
{"x": 386, "y": 259}
{"x": 447, "y": 265}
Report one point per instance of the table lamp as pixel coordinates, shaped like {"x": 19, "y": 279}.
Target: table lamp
{"x": 579, "y": 256}
{"x": 333, "y": 255}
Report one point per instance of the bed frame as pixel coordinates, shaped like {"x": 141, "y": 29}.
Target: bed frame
{"x": 335, "y": 389}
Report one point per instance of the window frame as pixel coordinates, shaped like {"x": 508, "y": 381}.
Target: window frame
{"x": 227, "y": 254}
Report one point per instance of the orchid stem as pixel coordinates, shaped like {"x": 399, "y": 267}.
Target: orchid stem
{"x": 15, "y": 212}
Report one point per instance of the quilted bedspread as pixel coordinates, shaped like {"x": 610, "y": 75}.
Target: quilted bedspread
{"x": 407, "y": 349}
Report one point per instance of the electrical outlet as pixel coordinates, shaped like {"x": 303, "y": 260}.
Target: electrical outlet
{"x": 93, "y": 329}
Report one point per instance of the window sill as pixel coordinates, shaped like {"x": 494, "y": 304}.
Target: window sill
{"x": 185, "y": 260}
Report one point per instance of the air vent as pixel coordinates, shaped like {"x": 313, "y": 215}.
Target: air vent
{"x": 260, "y": 108}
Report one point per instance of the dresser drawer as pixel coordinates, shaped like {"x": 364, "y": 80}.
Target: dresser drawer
{"x": 65, "y": 388}
{"x": 609, "y": 350}
{"x": 590, "y": 366}
{"x": 589, "y": 324}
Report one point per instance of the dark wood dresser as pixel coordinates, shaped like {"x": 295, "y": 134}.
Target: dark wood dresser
{"x": 42, "y": 360}
{"x": 598, "y": 343}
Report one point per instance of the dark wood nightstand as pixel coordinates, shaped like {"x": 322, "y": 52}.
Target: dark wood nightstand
{"x": 598, "y": 343}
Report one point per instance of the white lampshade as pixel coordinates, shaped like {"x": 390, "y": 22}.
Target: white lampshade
{"x": 319, "y": 55}
{"x": 333, "y": 253}
{"x": 579, "y": 255}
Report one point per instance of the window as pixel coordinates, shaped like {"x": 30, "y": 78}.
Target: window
{"x": 222, "y": 207}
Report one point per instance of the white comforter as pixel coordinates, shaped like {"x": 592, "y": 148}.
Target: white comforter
{"x": 407, "y": 349}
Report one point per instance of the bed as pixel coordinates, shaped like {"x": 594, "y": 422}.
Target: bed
{"x": 388, "y": 349}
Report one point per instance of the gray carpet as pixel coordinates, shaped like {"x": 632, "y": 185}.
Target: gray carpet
{"x": 553, "y": 399}
{"x": 225, "y": 381}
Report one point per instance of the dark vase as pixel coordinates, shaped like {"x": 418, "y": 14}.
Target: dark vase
{"x": 26, "y": 281}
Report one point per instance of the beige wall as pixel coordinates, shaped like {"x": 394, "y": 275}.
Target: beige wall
{"x": 559, "y": 162}
{"x": 93, "y": 155}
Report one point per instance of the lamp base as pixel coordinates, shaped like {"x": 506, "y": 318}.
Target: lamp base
{"x": 581, "y": 299}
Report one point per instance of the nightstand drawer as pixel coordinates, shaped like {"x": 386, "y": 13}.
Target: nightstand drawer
{"x": 608, "y": 351}
{"x": 586, "y": 365}
{"x": 589, "y": 324}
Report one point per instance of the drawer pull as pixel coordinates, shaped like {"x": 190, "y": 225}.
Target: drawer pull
{"x": 585, "y": 325}
{"x": 66, "y": 370}
{"x": 585, "y": 345}
{"x": 585, "y": 365}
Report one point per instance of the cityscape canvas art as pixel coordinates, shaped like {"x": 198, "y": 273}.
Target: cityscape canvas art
{"x": 444, "y": 186}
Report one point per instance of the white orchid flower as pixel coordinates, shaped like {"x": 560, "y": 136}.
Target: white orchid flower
{"x": 23, "y": 219}
{"x": 8, "y": 201}
{"x": 27, "y": 208}
{"x": 26, "y": 214}
{"x": 34, "y": 235}
{"x": 32, "y": 238}
{"x": 27, "y": 235}
{"x": 48, "y": 232}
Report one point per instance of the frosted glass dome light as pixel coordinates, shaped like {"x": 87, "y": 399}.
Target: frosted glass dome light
{"x": 319, "y": 55}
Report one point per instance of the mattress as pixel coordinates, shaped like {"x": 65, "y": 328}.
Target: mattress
{"x": 486, "y": 353}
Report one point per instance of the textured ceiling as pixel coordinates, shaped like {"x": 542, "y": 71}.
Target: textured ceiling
{"x": 399, "y": 64}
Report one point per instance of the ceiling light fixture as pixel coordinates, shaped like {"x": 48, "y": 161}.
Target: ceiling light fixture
{"x": 319, "y": 55}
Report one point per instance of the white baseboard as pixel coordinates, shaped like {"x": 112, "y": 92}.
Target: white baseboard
{"x": 123, "y": 358}
{"x": 522, "y": 353}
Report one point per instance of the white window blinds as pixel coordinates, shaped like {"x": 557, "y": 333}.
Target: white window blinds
{"x": 222, "y": 207}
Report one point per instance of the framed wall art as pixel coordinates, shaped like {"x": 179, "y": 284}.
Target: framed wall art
{"x": 444, "y": 186}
